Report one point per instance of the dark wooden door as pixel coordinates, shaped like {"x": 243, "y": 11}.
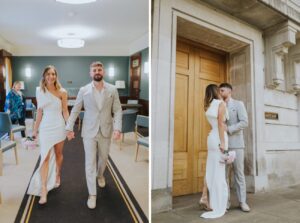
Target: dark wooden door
{"x": 135, "y": 76}
{"x": 3, "y": 55}
{"x": 2, "y": 84}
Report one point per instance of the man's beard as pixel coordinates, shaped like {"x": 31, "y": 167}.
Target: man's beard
{"x": 98, "y": 78}
{"x": 224, "y": 97}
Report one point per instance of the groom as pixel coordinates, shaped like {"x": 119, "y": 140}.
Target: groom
{"x": 100, "y": 100}
{"x": 238, "y": 120}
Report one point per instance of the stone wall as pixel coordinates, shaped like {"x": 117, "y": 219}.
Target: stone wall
{"x": 282, "y": 87}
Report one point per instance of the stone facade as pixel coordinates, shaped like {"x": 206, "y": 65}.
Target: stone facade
{"x": 262, "y": 39}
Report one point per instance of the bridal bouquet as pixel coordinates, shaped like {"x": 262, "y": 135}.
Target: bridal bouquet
{"x": 30, "y": 142}
{"x": 228, "y": 157}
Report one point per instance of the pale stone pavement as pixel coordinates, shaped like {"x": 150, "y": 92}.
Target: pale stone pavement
{"x": 278, "y": 206}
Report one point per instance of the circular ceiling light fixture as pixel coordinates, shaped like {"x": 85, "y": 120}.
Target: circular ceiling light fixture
{"x": 72, "y": 31}
{"x": 76, "y": 2}
{"x": 70, "y": 43}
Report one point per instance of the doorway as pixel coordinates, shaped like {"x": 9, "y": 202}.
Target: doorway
{"x": 196, "y": 67}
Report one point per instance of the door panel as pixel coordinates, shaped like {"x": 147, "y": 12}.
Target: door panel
{"x": 181, "y": 113}
{"x": 183, "y": 123}
{"x": 211, "y": 70}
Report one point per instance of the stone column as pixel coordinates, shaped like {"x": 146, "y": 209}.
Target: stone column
{"x": 293, "y": 69}
{"x": 278, "y": 40}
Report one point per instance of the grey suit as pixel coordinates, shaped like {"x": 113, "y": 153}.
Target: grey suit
{"x": 97, "y": 127}
{"x": 238, "y": 120}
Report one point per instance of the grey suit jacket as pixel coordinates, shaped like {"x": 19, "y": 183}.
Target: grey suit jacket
{"x": 97, "y": 115}
{"x": 238, "y": 120}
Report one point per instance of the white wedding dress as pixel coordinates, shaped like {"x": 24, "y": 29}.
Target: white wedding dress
{"x": 51, "y": 132}
{"x": 215, "y": 170}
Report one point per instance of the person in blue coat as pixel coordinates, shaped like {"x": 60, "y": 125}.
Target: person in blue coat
{"x": 15, "y": 105}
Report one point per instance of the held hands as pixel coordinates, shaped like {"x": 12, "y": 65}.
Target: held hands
{"x": 70, "y": 135}
{"x": 117, "y": 135}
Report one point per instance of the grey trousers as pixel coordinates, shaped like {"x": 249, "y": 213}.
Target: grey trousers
{"x": 239, "y": 176}
{"x": 96, "y": 155}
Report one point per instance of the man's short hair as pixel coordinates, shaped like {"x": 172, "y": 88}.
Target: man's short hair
{"x": 225, "y": 85}
{"x": 96, "y": 64}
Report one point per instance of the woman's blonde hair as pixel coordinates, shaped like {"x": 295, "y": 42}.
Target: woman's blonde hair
{"x": 15, "y": 83}
{"x": 211, "y": 93}
{"x": 43, "y": 82}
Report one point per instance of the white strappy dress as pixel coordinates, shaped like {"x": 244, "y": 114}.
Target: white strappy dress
{"x": 51, "y": 132}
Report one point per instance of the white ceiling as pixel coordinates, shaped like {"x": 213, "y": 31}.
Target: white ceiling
{"x": 109, "y": 27}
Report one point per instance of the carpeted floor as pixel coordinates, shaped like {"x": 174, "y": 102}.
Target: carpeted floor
{"x": 115, "y": 202}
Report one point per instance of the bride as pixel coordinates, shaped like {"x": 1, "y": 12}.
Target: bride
{"x": 217, "y": 143}
{"x": 50, "y": 121}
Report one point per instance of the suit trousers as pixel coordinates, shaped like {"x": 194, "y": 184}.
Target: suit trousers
{"x": 239, "y": 176}
{"x": 96, "y": 155}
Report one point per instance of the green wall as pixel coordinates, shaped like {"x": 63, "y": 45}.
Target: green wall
{"x": 76, "y": 69}
{"x": 70, "y": 68}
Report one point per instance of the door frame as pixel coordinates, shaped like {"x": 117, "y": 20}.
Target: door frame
{"x": 249, "y": 42}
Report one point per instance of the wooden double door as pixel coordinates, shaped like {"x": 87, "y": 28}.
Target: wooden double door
{"x": 196, "y": 67}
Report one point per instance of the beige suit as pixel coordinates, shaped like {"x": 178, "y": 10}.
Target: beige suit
{"x": 97, "y": 127}
{"x": 238, "y": 120}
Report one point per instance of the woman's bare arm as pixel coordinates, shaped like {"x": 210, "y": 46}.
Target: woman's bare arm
{"x": 38, "y": 120}
{"x": 221, "y": 127}
{"x": 65, "y": 106}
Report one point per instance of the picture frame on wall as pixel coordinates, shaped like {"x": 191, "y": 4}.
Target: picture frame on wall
{"x": 135, "y": 63}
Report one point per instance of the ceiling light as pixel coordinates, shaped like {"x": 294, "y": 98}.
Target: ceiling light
{"x": 72, "y": 31}
{"x": 76, "y": 2}
{"x": 70, "y": 43}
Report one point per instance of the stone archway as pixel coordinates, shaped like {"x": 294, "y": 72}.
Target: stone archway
{"x": 238, "y": 74}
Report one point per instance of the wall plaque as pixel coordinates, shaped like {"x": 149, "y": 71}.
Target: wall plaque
{"x": 271, "y": 115}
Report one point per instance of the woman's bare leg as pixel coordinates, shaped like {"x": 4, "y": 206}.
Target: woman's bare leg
{"x": 204, "y": 201}
{"x": 58, "y": 148}
{"x": 44, "y": 176}
{"x": 204, "y": 191}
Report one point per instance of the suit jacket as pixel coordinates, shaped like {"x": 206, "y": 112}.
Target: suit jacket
{"x": 238, "y": 120}
{"x": 97, "y": 114}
